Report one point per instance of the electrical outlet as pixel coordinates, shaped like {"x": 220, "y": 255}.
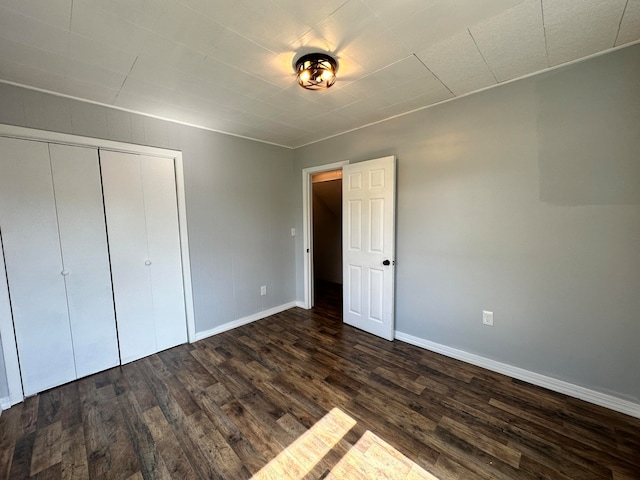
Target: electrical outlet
{"x": 293, "y": 232}
{"x": 263, "y": 290}
{"x": 487, "y": 318}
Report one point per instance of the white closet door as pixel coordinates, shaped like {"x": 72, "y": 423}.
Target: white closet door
{"x": 163, "y": 237}
{"x": 7, "y": 337}
{"x": 83, "y": 238}
{"x": 34, "y": 265}
{"x": 127, "y": 234}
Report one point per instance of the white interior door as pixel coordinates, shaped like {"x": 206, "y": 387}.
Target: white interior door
{"x": 83, "y": 238}
{"x": 34, "y": 265}
{"x": 368, "y": 206}
{"x": 163, "y": 236}
{"x": 127, "y": 233}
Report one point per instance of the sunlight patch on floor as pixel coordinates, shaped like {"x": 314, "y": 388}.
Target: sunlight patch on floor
{"x": 301, "y": 456}
{"x": 370, "y": 458}
{"x": 373, "y": 458}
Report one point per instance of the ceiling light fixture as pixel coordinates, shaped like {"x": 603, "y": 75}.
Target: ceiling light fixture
{"x": 316, "y": 71}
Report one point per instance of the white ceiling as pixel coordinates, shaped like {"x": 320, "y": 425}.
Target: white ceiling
{"x": 227, "y": 65}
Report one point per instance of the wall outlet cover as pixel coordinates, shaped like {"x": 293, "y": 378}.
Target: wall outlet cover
{"x": 487, "y": 318}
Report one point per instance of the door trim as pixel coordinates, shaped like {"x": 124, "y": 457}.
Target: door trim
{"x": 6, "y": 325}
{"x": 307, "y": 226}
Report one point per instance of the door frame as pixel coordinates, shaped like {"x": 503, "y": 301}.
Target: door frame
{"x": 307, "y": 226}
{"x": 9, "y": 345}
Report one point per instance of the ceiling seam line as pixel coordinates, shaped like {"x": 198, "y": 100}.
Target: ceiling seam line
{"x": 624, "y": 11}
{"x": 544, "y": 30}
{"x": 69, "y": 34}
{"x": 436, "y": 76}
{"x": 483, "y": 58}
{"x": 387, "y": 66}
{"x": 126, "y": 77}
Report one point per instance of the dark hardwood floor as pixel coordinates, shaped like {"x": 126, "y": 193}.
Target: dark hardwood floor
{"x": 300, "y": 395}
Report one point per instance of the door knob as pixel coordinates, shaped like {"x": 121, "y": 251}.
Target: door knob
{"x": 386, "y": 263}
{"x": 147, "y": 263}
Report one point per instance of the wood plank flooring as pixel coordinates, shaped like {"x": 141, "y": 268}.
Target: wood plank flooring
{"x": 300, "y": 395}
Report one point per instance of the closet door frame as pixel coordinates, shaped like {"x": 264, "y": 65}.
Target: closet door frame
{"x": 9, "y": 346}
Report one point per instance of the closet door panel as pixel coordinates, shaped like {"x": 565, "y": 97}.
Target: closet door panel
{"x": 127, "y": 236}
{"x": 163, "y": 236}
{"x": 83, "y": 239}
{"x": 34, "y": 265}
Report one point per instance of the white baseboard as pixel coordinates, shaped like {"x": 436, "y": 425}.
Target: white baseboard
{"x": 244, "y": 321}
{"x": 576, "y": 391}
{"x": 10, "y": 401}
{"x": 7, "y": 402}
{"x": 300, "y": 304}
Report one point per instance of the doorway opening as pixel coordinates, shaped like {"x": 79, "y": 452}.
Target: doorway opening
{"x": 308, "y": 228}
{"x": 326, "y": 191}
{"x": 368, "y": 245}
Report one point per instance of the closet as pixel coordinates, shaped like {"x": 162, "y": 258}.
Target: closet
{"x": 93, "y": 258}
{"x": 56, "y": 260}
{"x": 142, "y": 222}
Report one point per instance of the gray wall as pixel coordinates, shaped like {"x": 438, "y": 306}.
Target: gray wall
{"x": 523, "y": 200}
{"x": 238, "y": 195}
{"x": 327, "y": 231}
